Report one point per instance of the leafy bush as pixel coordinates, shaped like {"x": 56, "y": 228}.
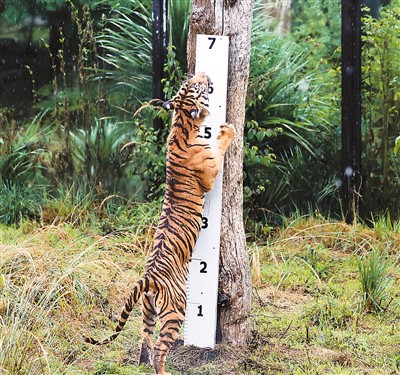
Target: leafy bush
{"x": 24, "y": 152}
{"x": 101, "y": 155}
{"x": 316, "y": 24}
{"x": 24, "y": 156}
{"x": 127, "y": 48}
{"x": 18, "y": 202}
{"x": 126, "y": 44}
{"x": 290, "y": 135}
{"x": 381, "y": 103}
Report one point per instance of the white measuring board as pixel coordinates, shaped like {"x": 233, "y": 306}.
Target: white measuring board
{"x": 202, "y": 286}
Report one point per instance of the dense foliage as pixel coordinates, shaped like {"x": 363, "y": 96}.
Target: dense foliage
{"x": 381, "y": 115}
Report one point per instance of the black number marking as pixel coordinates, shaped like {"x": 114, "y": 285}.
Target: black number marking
{"x": 212, "y": 42}
{"x": 205, "y": 223}
{"x": 204, "y": 267}
{"x": 210, "y": 89}
{"x": 207, "y": 132}
{"x": 200, "y": 307}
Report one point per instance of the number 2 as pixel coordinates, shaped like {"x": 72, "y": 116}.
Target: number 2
{"x": 204, "y": 267}
{"x": 212, "y": 42}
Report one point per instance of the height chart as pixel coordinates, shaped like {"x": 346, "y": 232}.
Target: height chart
{"x": 202, "y": 286}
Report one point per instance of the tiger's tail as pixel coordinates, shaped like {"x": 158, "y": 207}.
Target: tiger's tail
{"x": 133, "y": 298}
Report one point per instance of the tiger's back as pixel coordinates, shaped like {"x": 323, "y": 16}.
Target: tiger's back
{"x": 191, "y": 169}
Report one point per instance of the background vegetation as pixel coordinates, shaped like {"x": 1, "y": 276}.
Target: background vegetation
{"x": 82, "y": 174}
{"x": 84, "y": 124}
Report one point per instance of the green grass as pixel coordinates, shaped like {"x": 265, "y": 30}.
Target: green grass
{"x": 67, "y": 279}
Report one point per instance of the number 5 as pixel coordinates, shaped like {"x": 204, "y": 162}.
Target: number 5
{"x": 207, "y": 132}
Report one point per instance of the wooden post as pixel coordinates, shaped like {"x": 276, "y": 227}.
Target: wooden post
{"x": 232, "y": 18}
{"x": 351, "y": 107}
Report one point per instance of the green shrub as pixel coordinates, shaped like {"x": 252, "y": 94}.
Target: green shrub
{"x": 19, "y": 201}
{"x": 381, "y": 103}
{"x": 101, "y": 155}
{"x": 23, "y": 152}
{"x": 316, "y": 24}
{"x": 290, "y": 134}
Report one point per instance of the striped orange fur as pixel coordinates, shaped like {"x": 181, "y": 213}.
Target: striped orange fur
{"x": 191, "y": 169}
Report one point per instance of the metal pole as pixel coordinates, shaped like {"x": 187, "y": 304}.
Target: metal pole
{"x": 351, "y": 107}
{"x": 159, "y": 31}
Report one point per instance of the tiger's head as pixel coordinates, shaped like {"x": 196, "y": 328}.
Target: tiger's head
{"x": 192, "y": 97}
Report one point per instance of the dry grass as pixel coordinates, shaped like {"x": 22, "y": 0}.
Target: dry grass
{"x": 60, "y": 282}
{"x": 55, "y": 282}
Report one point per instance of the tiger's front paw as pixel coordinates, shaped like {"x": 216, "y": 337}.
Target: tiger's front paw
{"x": 228, "y": 131}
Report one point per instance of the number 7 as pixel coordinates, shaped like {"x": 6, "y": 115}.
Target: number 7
{"x": 212, "y": 41}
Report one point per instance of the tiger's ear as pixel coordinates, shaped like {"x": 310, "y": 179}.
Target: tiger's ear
{"x": 168, "y": 105}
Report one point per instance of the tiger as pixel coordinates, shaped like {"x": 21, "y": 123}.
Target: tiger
{"x": 192, "y": 166}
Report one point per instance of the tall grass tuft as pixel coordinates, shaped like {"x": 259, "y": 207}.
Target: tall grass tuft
{"x": 48, "y": 282}
{"x": 19, "y": 202}
{"x": 375, "y": 281}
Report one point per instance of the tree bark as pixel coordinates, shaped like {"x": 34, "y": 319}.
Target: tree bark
{"x": 232, "y": 18}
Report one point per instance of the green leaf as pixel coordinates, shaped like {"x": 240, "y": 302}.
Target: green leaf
{"x": 397, "y": 145}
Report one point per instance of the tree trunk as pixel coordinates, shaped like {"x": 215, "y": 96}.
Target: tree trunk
{"x": 232, "y": 18}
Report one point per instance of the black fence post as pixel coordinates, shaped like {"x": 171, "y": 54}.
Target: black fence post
{"x": 351, "y": 107}
{"x": 159, "y": 31}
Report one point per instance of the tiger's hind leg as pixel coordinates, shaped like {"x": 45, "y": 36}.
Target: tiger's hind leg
{"x": 168, "y": 335}
{"x": 149, "y": 317}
